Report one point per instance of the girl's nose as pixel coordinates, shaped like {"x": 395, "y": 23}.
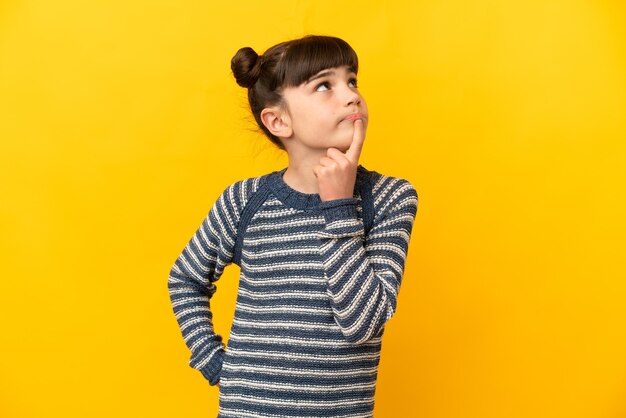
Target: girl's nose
{"x": 353, "y": 98}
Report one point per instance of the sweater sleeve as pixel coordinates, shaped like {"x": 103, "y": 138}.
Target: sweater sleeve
{"x": 364, "y": 276}
{"x": 191, "y": 283}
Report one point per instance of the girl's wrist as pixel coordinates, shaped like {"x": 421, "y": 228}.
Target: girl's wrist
{"x": 338, "y": 197}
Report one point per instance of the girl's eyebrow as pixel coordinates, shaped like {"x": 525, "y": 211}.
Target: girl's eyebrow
{"x": 320, "y": 75}
{"x": 325, "y": 73}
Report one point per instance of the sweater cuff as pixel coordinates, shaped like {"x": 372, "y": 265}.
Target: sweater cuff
{"x": 341, "y": 218}
{"x": 213, "y": 369}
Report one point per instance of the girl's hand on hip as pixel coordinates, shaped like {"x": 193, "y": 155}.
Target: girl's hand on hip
{"x": 336, "y": 172}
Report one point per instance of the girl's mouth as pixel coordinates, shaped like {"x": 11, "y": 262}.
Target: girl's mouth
{"x": 354, "y": 116}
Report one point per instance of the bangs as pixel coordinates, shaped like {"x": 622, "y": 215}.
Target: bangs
{"x": 308, "y": 56}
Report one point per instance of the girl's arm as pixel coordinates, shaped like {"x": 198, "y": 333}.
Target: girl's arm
{"x": 364, "y": 277}
{"x": 191, "y": 282}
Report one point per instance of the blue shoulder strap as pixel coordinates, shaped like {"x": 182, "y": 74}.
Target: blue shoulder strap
{"x": 363, "y": 184}
{"x": 252, "y": 205}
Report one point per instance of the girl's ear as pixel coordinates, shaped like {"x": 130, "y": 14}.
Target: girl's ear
{"x": 277, "y": 121}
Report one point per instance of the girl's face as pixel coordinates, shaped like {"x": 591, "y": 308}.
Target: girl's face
{"x": 319, "y": 106}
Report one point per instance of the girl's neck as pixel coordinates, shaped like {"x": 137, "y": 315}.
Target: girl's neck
{"x": 299, "y": 175}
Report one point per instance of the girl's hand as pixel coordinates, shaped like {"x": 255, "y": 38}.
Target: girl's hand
{"x": 336, "y": 172}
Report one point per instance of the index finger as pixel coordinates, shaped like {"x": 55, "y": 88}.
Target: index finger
{"x": 354, "y": 152}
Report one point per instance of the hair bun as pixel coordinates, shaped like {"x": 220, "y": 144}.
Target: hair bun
{"x": 246, "y": 67}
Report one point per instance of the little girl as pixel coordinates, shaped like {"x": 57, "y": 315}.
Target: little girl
{"x": 321, "y": 245}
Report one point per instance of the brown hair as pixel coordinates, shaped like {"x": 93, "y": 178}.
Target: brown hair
{"x": 287, "y": 64}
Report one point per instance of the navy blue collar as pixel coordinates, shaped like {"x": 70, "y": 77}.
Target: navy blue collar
{"x": 296, "y": 199}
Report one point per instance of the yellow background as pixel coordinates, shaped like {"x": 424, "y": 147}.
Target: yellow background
{"x": 120, "y": 123}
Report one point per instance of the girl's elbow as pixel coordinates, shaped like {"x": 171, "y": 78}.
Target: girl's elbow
{"x": 361, "y": 336}
{"x": 369, "y": 329}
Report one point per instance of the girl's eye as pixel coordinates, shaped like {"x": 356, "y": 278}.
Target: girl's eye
{"x": 325, "y": 83}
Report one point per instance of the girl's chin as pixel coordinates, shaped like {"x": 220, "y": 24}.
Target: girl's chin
{"x": 343, "y": 145}
{"x": 345, "y": 140}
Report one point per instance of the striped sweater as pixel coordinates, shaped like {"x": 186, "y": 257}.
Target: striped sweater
{"x": 315, "y": 292}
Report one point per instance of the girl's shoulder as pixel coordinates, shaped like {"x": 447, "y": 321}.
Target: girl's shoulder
{"x": 383, "y": 184}
{"x": 386, "y": 191}
{"x": 238, "y": 193}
